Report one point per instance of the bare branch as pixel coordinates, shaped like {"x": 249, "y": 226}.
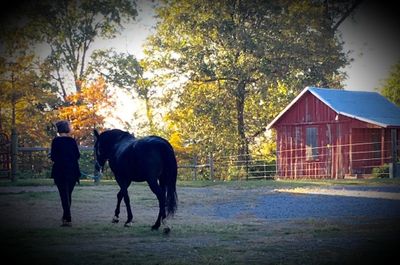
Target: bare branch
{"x": 347, "y": 14}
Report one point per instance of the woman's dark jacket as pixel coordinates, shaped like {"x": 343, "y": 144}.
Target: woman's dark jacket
{"x": 65, "y": 155}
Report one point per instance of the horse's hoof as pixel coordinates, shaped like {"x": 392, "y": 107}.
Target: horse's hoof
{"x": 155, "y": 227}
{"x": 115, "y": 220}
{"x": 166, "y": 230}
{"x": 128, "y": 224}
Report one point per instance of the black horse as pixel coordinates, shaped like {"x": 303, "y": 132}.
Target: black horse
{"x": 151, "y": 159}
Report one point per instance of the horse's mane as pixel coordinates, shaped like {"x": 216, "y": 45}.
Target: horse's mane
{"x": 116, "y": 135}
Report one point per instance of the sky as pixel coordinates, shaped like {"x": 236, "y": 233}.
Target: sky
{"x": 374, "y": 38}
{"x": 133, "y": 36}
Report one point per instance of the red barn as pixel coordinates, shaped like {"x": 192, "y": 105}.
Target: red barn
{"x": 332, "y": 133}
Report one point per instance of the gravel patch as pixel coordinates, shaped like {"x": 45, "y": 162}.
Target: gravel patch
{"x": 302, "y": 204}
{"x": 366, "y": 193}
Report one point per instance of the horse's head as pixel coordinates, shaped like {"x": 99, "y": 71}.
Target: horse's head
{"x": 107, "y": 145}
{"x": 99, "y": 153}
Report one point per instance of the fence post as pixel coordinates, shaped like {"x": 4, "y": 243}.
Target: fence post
{"x": 393, "y": 172}
{"x": 247, "y": 166}
{"x": 96, "y": 177}
{"x": 265, "y": 169}
{"x": 14, "y": 149}
{"x": 195, "y": 167}
{"x": 211, "y": 164}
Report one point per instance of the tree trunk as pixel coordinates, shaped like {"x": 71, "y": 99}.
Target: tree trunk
{"x": 242, "y": 141}
{"x": 149, "y": 114}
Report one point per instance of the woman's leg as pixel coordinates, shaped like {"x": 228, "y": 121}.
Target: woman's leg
{"x": 65, "y": 200}
{"x": 71, "y": 186}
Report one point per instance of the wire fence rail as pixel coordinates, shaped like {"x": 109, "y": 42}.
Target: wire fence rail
{"x": 338, "y": 161}
{"x": 34, "y": 162}
{"x": 372, "y": 158}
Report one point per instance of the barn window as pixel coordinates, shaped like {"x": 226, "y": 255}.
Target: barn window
{"x": 311, "y": 143}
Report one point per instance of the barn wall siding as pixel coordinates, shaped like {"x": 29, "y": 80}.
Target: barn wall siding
{"x": 344, "y": 146}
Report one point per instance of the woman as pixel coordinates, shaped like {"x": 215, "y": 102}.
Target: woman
{"x": 65, "y": 155}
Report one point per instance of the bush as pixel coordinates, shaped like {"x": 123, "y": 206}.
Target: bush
{"x": 381, "y": 172}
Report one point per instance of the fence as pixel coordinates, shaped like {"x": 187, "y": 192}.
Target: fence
{"x": 34, "y": 162}
{"x": 337, "y": 161}
{"x": 356, "y": 159}
{"x": 227, "y": 168}
{"x": 5, "y": 156}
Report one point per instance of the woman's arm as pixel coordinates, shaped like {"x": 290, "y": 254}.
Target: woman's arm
{"x": 77, "y": 153}
{"x": 54, "y": 151}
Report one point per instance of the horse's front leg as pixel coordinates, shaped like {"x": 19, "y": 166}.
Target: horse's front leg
{"x": 117, "y": 209}
{"x": 128, "y": 208}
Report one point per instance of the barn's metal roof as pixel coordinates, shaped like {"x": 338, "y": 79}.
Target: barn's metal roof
{"x": 365, "y": 106}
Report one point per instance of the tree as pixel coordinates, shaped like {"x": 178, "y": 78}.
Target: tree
{"x": 337, "y": 11}
{"x": 70, "y": 28}
{"x": 26, "y": 97}
{"x": 245, "y": 49}
{"x": 87, "y": 110}
{"x": 391, "y": 87}
{"x": 203, "y": 130}
{"x": 125, "y": 72}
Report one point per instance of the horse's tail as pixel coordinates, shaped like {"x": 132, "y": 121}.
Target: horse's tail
{"x": 170, "y": 181}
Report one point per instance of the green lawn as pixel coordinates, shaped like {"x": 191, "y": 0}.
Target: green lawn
{"x": 242, "y": 184}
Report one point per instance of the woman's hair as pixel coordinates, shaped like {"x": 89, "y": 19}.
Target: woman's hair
{"x": 63, "y": 127}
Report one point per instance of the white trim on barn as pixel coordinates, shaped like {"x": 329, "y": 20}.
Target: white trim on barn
{"x": 370, "y": 107}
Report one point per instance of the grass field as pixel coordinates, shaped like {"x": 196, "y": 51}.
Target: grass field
{"x": 201, "y": 234}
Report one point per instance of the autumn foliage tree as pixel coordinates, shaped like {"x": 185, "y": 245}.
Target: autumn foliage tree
{"x": 65, "y": 32}
{"x": 26, "y": 99}
{"x": 87, "y": 110}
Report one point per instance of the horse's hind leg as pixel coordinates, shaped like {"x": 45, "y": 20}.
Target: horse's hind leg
{"x": 160, "y": 193}
{"x": 117, "y": 209}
